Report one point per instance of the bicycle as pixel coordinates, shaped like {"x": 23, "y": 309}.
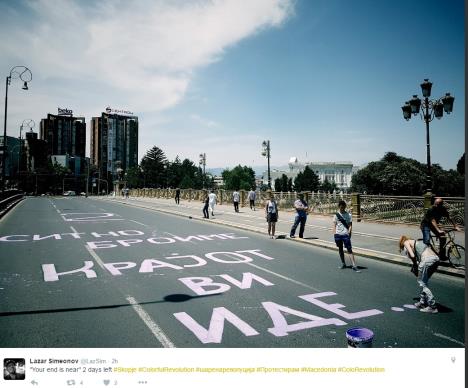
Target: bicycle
{"x": 455, "y": 253}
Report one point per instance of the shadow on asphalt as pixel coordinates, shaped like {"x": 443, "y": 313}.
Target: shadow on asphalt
{"x": 173, "y": 298}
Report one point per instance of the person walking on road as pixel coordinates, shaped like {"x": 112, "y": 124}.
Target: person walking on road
{"x": 236, "y": 200}
{"x": 302, "y": 208}
{"x": 271, "y": 212}
{"x": 342, "y": 226}
{"x": 212, "y": 199}
{"x": 425, "y": 263}
{"x": 430, "y": 223}
{"x": 177, "y": 196}
{"x": 206, "y": 200}
{"x": 252, "y": 195}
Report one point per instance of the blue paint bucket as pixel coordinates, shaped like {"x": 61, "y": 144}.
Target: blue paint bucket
{"x": 359, "y": 337}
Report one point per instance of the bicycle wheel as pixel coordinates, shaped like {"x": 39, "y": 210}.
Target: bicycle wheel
{"x": 456, "y": 255}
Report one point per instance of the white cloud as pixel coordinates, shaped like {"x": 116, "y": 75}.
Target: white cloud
{"x": 146, "y": 49}
{"x": 204, "y": 122}
{"x": 137, "y": 55}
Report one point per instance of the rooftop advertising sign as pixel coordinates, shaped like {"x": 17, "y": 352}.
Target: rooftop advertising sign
{"x": 118, "y": 111}
{"x": 65, "y": 112}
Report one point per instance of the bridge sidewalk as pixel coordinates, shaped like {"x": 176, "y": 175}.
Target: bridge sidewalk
{"x": 374, "y": 240}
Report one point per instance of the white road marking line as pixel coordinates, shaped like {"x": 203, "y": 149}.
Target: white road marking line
{"x": 90, "y": 220}
{"x": 155, "y": 329}
{"x": 448, "y": 338}
{"x": 136, "y": 222}
{"x": 95, "y": 257}
{"x": 279, "y": 275}
{"x": 283, "y": 277}
{"x": 73, "y": 229}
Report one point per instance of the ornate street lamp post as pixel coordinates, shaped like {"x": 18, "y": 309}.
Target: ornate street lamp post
{"x": 431, "y": 109}
{"x": 266, "y": 152}
{"x": 203, "y": 163}
{"x": 25, "y": 75}
{"x": 28, "y": 124}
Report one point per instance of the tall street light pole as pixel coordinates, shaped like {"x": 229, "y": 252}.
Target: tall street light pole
{"x": 28, "y": 123}
{"x": 266, "y": 152}
{"x": 203, "y": 162}
{"x": 25, "y": 75}
{"x": 431, "y": 108}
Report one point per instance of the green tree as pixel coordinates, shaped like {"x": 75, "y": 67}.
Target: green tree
{"x": 242, "y": 178}
{"x": 153, "y": 164}
{"x": 448, "y": 183}
{"x": 328, "y": 186}
{"x": 278, "y": 184}
{"x": 174, "y": 173}
{"x": 133, "y": 177}
{"x": 186, "y": 182}
{"x": 284, "y": 182}
{"x": 306, "y": 180}
{"x": 290, "y": 184}
{"x": 461, "y": 165}
{"x": 397, "y": 175}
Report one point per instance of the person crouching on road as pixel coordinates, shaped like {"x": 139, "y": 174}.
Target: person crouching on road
{"x": 271, "y": 212}
{"x": 342, "y": 226}
{"x": 425, "y": 262}
{"x": 206, "y": 201}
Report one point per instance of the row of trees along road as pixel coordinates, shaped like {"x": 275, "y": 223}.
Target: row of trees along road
{"x": 397, "y": 175}
{"x": 392, "y": 175}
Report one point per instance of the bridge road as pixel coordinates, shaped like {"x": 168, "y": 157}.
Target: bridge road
{"x": 370, "y": 239}
{"x": 149, "y": 285}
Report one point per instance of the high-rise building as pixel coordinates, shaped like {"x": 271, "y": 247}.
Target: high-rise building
{"x": 34, "y": 153}
{"x": 64, "y": 134}
{"x": 114, "y": 143}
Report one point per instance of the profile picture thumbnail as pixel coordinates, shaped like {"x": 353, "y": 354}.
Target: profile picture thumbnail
{"x": 13, "y": 369}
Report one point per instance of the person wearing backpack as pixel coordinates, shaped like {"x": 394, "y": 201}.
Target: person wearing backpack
{"x": 271, "y": 212}
{"x": 425, "y": 263}
{"x": 342, "y": 226}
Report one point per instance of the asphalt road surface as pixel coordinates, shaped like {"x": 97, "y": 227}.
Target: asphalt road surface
{"x": 80, "y": 272}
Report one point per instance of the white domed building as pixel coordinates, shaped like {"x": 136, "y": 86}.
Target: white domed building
{"x": 337, "y": 172}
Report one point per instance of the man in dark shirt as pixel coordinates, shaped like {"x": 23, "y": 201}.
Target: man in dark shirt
{"x": 431, "y": 221}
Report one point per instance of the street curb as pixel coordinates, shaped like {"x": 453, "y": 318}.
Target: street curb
{"x": 363, "y": 252}
{"x": 9, "y": 207}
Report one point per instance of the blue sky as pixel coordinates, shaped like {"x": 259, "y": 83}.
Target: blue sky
{"x": 322, "y": 80}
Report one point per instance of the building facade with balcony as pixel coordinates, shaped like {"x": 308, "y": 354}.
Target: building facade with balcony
{"x": 64, "y": 134}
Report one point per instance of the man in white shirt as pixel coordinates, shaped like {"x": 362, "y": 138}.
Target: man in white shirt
{"x": 212, "y": 199}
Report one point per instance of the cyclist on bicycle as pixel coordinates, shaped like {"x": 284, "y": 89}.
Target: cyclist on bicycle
{"x": 430, "y": 222}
